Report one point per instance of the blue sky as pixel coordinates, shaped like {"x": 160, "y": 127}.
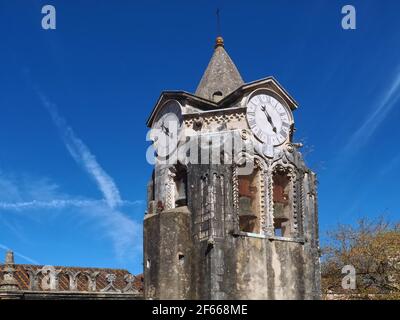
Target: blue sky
{"x": 74, "y": 101}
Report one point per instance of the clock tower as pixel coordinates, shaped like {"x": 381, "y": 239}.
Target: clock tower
{"x": 232, "y": 207}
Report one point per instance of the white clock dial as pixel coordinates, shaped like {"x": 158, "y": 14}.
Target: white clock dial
{"x": 167, "y": 128}
{"x": 268, "y": 119}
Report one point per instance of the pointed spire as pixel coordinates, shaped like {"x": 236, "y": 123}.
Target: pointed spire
{"x": 221, "y": 76}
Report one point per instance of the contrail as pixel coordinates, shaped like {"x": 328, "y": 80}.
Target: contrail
{"x": 19, "y": 255}
{"x": 377, "y": 116}
{"x": 59, "y": 204}
{"x": 82, "y": 156}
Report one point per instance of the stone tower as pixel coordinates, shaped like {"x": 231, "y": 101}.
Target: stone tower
{"x": 232, "y": 208}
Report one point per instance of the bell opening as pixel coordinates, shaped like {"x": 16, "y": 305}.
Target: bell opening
{"x": 180, "y": 186}
{"x": 281, "y": 201}
{"x": 249, "y": 202}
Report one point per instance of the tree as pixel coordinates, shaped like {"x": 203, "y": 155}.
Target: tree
{"x": 372, "y": 247}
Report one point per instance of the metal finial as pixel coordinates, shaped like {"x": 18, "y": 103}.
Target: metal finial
{"x": 219, "y": 42}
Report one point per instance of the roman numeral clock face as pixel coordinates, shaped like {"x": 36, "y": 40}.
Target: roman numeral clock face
{"x": 167, "y": 127}
{"x": 268, "y": 119}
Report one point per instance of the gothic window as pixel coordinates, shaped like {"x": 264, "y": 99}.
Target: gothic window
{"x": 250, "y": 201}
{"x": 282, "y": 202}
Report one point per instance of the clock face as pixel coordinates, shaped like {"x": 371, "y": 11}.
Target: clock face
{"x": 167, "y": 128}
{"x": 268, "y": 119}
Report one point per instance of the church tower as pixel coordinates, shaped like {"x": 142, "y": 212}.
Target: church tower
{"x": 232, "y": 207}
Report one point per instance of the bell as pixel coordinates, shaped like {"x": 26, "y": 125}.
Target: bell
{"x": 245, "y": 207}
{"x": 247, "y": 219}
{"x": 279, "y": 214}
{"x": 181, "y": 198}
{"x": 244, "y": 187}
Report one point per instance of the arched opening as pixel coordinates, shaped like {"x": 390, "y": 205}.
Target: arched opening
{"x": 250, "y": 201}
{"x": 217, "y": 96}
{"x": 180, "y": 181}
{"x": 282, "y": 202}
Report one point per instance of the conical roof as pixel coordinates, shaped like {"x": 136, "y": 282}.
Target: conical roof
{"x": 221, "y": 76}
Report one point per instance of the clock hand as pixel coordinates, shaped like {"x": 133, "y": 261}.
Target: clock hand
{"x": 264, "y": 109}
{"x": 165, "y": 129}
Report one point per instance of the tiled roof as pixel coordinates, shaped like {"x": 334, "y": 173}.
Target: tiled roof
{"x": 21, "y": 275}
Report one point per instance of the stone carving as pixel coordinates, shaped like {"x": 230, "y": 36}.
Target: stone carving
{"x": 50, "y": 278}
{"x": 73, "y": 279}
{"x": 197, "y": 123}
{"x": 244, "y": 134}
{"x": 289, "y": 147}
{"x": 33, "y": 278}
{"x": 259, "y": 164}
{"x": 170, "y": 191}
{"x": 9, "y": 283}
{"x": 91, "y": 276}
{"x": 130, "y": 279}
{"x": 268, "y": 205}
{"x": 46, "y": 278}
{"x": 214, "y": 118}
{"x": 300, "y": 203}
{"x": 111, "y": 277}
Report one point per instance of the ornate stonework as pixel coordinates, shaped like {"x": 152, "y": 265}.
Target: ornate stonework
{"x": 239, "y": 235}
{"x": 49, "y": 282}
{"x": 214, "y": 118}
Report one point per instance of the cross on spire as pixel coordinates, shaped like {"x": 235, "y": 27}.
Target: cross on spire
{"x": 219, "y": 41}
{"x": 218, "y": 23}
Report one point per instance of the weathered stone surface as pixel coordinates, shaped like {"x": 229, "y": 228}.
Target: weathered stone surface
{"x": 167, "y": 254}
{"x": 220, "y": 78}
{"x": 224, "y": 262}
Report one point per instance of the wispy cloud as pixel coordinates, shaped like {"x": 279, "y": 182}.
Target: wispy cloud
{"x": 58, "y": 204}
{"x": 377, "y": 116}
{"x": 121, "y": 230}
{"x": 105, "y": 214}
{"x": 82, "y": 155}
{"x": 125, "y": 233}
